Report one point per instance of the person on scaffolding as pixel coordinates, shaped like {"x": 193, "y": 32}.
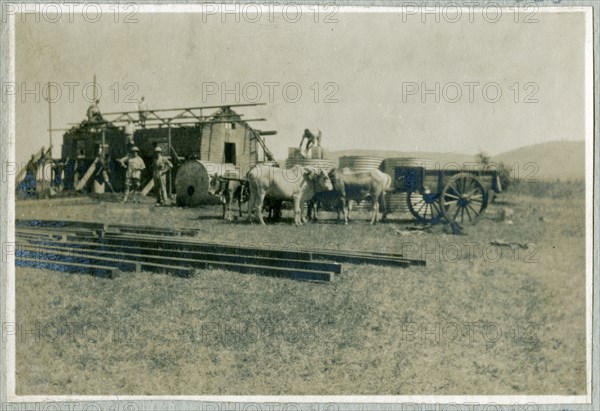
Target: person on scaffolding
{"x": 134, "y": 165}
{"x": 93, "y": 113}
{"x": 129, "y": 131}
{"x": 143, "y": 112}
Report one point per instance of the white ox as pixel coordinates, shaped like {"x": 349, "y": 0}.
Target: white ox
{"x": 361, "y": 185}
{"x": 297, "y": 184}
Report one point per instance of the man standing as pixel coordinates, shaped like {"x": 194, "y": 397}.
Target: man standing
{"x": 143, "y": 112}
{"x": 29, "y": 182}
{"x": 160, "y": 166}
{"x": 134, "y": 166}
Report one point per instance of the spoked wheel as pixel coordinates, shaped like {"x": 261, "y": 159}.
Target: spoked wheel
{"x": 463, "y": 199}
{"x": 425, "y": 206}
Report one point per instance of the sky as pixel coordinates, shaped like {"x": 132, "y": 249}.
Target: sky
{"x": 362, "y": 78}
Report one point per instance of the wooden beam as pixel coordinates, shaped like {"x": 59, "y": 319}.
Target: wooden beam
{"x": 79, "y": 255}
{"x": 148, "y": 187}
{"x": 91, "y": 259}
{"x": 169, "y": 238}
{"x": 88, "y": 174}
{"x": 163, "y": 255}
{"x": 188, "y": 108}
{"x": 66, "y": 266}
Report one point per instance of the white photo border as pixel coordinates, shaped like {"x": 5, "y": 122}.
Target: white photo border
{"x": 591, "y": 400}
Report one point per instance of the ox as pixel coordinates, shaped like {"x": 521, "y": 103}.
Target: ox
{"x": 326, "y": 199}
{"x": 296, "y": 184}
{"x": 228, "y": 190}
{"x": 349, "y": 186}
{"x": 273, "y": 209}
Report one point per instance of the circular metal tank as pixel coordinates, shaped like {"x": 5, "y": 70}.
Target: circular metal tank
{"x": 315, "y": 163}
{"x": 192, "y": 178}
{"x": 358, "y": 164}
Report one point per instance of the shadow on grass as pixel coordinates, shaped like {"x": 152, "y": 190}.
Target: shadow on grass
{"x": 207, "y": 217}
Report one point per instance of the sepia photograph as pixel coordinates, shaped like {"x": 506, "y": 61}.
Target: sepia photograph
{"x": 299, "y": 206}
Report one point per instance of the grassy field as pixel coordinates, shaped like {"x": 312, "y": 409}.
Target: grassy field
{"x": 478, "y": 319}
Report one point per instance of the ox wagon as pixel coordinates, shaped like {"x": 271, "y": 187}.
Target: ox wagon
{"x": 458, "y": 195}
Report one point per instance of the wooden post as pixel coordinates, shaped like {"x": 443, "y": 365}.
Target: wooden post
{"x": 148, "y": 187}
{"x": 170, "y": 173}
{"x": 88, "y": 174}
{"x": 50, "y": 119}
{"x": 209, "y": 142}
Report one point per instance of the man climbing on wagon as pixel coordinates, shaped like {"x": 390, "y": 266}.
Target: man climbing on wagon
{"x": 310, "y": 140}
{"x": 160, "y": 167}
{"x": 134, "y": 165}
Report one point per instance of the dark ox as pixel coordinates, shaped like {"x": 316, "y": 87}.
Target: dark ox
{"x": 296, "y": 184}
{"x": 228, "y": 190}
{"x": 348, "y": 186}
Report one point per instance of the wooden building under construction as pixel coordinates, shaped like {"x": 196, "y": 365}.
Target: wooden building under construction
{"x": 188, "y": 134}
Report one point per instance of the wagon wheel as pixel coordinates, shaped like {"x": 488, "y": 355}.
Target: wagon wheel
{"x": 463, "y": 198}
{"x": 425, "y": 206}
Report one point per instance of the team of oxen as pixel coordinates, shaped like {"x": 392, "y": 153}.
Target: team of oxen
{"x": 267, "y": 186}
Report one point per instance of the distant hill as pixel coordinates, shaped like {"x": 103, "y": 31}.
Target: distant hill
{"x": 562, "y": 160}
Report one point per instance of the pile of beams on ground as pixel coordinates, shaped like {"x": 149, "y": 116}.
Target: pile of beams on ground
{"x": 106, "y": 250}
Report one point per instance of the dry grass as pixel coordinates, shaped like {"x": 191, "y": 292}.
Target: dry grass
{"x": 227, "y": 333}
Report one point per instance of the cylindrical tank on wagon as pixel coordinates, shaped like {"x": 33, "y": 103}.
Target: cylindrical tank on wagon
{"x": 359, "y": 164}
{"x": 192, "y": 178}
{"x": 314, "y": 163}
{"x": 402, "y": 169}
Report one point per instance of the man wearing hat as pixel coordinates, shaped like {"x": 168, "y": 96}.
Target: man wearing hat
{"x": 160, "y": 166}
{"x": 134, "y": 166}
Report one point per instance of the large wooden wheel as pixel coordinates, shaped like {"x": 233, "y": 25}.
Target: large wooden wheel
{"x": 463, "y": 198}
{"x": 425, "y": 206}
